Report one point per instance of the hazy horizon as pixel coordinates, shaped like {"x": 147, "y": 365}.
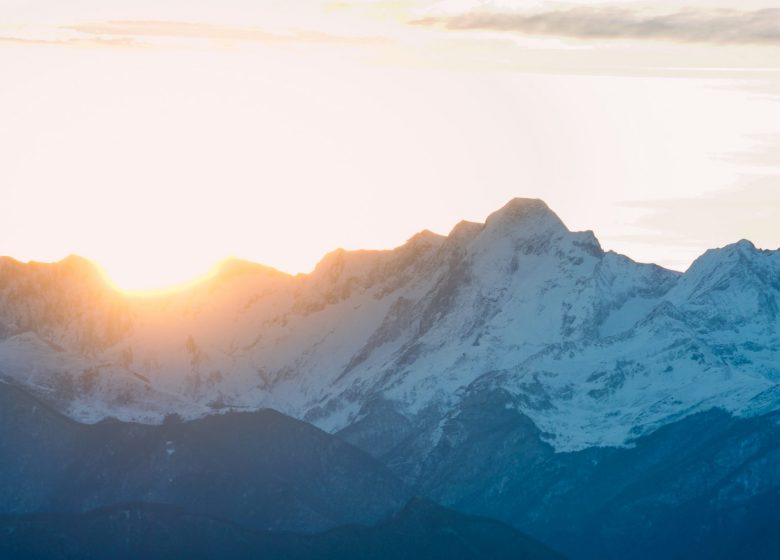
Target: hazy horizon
{"x": 157, "y": 140}
{"x": 215, "y": 267}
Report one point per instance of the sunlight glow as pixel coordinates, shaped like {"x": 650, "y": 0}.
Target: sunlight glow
{"x": 156, "y": 145}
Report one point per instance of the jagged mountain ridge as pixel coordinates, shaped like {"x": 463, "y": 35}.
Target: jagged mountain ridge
{"x": 592, "y": 347}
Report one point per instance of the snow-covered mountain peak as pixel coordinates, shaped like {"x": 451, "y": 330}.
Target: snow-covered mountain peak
{"x": 71, "y": 268}
{"x": 341, "y": 265}
{"x": 463, "y": 233}
{"x": 742, "y": 252}
{"x": 591, "y": 346}
{"x": 76, "y": 262}
{"x": 425, "y": 238}
{"x": 524, "y": 217}
{"x": 735, "y": 288}
{"x": 234, "y": 267}
{"x": 736, "y": 265}
{"x": 723, "y": 256}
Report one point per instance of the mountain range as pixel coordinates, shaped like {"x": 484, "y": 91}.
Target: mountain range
{"x": 512, "y": 369}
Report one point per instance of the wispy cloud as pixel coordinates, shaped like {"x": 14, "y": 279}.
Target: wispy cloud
{"x": 757, "y": 27}
{"x": 750, "y": 209}
{"x": 154, "y": 33}
{"x": 764, "y": 153}
{"x": 88, "y": 42}
{"x": 207, "y": 31}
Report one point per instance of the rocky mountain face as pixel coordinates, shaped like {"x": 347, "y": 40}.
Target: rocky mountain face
{"x": 506, "y": 369}
{"x": 706, "y": 486}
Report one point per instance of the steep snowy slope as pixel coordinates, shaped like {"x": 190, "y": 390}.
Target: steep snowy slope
{"x": 381, "y": 346}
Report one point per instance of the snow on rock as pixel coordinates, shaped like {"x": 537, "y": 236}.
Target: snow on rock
{"x": 594, "y": 348}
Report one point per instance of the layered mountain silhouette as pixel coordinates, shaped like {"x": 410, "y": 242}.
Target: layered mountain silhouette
{"x": 227, "y": 486}
{"x": 420, "y": 530}
{"x": 261, "y": 469}
{"x": 511, "y": 369}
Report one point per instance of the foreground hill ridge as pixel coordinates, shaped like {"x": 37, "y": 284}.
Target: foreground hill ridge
{"x": 238, "y": 485}
{"x": 387, "y": 347}
{"x": 158, "y": 531}
{"x": 260, "y": 468}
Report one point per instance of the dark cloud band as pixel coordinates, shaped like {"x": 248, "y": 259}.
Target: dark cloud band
{"x": 760, "y": 27}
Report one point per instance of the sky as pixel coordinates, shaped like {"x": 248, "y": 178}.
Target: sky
{"x": 158, "y": 138}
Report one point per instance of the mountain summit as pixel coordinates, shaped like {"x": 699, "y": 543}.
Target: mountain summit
{"x": 527, "y": 214}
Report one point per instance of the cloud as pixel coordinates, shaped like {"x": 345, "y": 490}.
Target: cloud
{"x": 765, "y": 153}
{"x": 90, "y": 42}
{"x": 153, "y": 33}
{"x": 757, "y": 27}
{"x": 749, "y": 210}
{"x": 673, "y": 232}
{"x": 208, "y": 31}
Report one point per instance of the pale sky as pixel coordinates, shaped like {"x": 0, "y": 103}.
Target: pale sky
{"x": 158, "y": 138}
